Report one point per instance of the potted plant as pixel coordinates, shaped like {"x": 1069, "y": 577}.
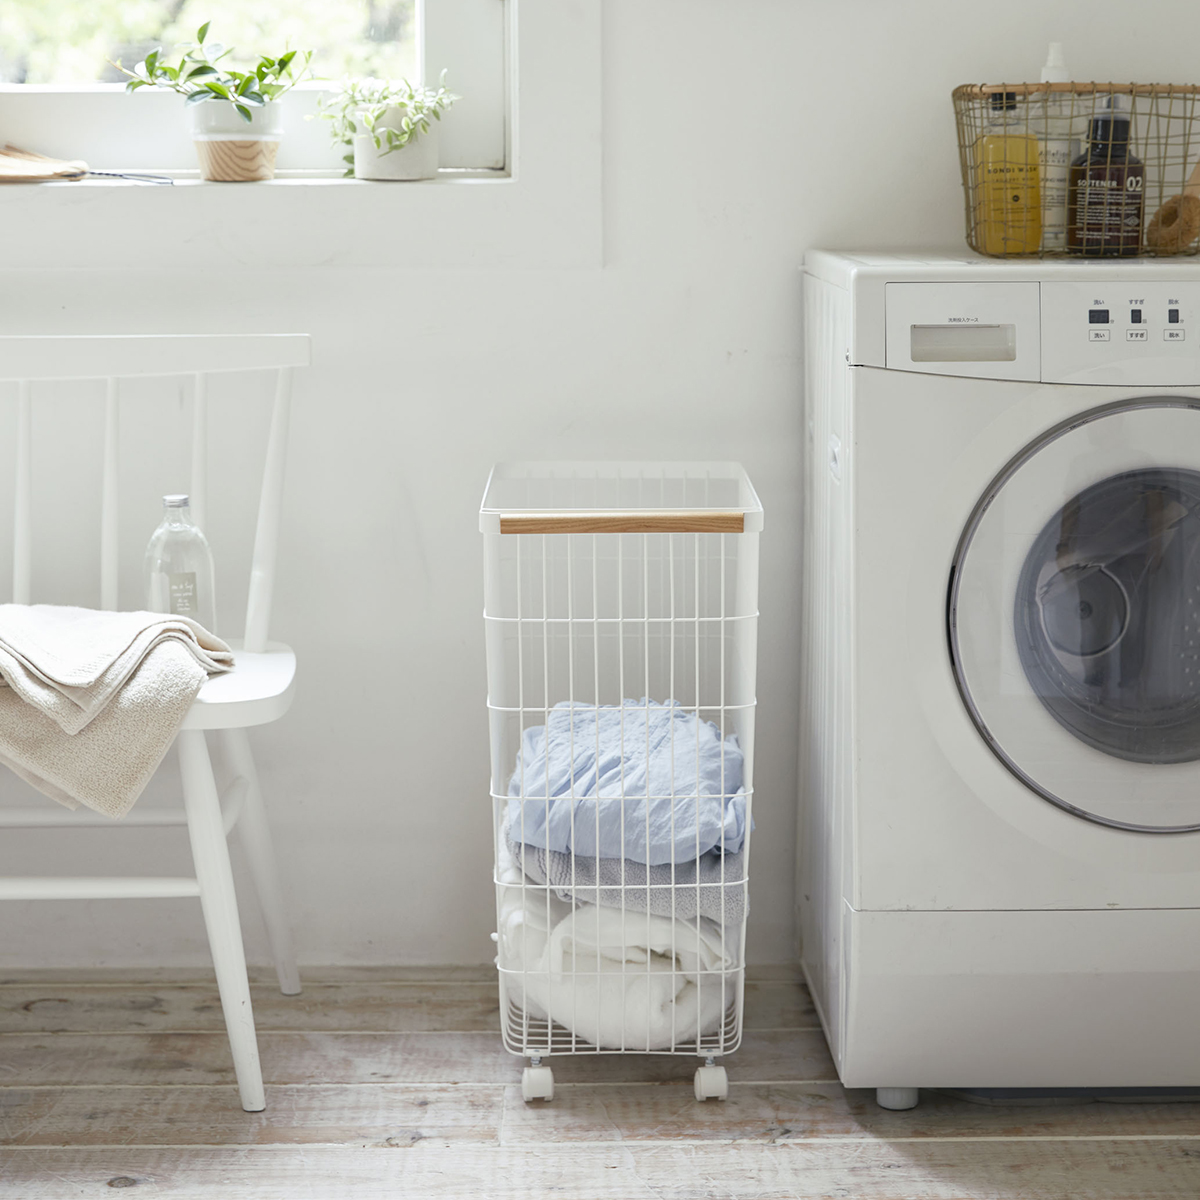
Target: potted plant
{"x": 386, "y": 125}
{"x": 236, "y": 120}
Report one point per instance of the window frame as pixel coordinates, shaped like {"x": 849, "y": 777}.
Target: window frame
{"x": 113, "y": 130}
{"x": 543, "y": 209}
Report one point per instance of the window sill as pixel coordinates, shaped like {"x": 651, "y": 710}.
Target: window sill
{"x": 445, "y": 177}
{"x": 546, "y": 213}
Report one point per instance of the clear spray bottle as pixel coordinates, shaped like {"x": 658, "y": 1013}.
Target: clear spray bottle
{"x": 1057, "y": 149}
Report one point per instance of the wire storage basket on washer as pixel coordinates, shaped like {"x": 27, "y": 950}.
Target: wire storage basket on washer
{"x": 621, "y": 609}
{"x": 1090, "y": 169}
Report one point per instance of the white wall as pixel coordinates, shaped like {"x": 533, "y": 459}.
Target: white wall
{"x": 736, "y": 135}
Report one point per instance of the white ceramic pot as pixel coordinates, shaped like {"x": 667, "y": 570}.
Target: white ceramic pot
{"x": 232, "y": 149}
{"x": 418, "y": 159}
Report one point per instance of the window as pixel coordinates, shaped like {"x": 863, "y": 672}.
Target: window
{"x": 61, "y": 95}
{"x": 77, "y": 41}
{"x": 542, "y": 208}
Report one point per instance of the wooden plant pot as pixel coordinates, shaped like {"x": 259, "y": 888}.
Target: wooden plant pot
{"x": 232, "y": 150}
{"x": 238, "y": 161}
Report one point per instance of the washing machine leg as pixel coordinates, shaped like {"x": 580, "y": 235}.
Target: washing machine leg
{"x": 897, "y": 1098}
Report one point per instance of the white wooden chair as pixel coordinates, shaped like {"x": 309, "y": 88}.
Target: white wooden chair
{"x": 257, "y": 691}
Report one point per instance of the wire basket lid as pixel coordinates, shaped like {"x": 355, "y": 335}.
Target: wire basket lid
{"x": 620, "y": 497}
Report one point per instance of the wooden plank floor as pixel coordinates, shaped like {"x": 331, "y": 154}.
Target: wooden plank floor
{"x": 393, "y": 1083}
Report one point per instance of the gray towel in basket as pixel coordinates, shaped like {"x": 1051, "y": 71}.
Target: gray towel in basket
{"x": 679, "y": 902}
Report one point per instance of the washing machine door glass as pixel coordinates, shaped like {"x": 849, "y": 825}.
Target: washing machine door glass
{"x": 1075, "y": 615}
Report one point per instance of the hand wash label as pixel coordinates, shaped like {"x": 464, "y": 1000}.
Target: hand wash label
{"x": 1008, "y": 204}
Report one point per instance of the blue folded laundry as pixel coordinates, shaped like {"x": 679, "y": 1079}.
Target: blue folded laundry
{"x": 642, "y": 780}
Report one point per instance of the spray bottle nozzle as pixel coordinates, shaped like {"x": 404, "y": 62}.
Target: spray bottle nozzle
{"x": 1055, "y": 70}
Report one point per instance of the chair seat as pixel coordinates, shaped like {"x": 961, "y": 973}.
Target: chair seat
{"x": 257, "y": 691}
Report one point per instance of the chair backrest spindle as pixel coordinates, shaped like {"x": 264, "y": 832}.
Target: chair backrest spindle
{"x": 109, "y": 496}
{"x": 118, "y": 356}
{"x": 270, "y": 507}
{"x": 23, "y": 500}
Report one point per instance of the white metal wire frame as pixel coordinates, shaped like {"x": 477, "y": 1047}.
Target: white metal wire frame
{"x": 657, "y": 600}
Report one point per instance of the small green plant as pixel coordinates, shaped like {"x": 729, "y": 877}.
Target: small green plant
{"x": 200, "y": 76}
{"x": 360, "y": 105}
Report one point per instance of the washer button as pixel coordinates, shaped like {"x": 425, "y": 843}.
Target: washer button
{"x": 1098, "y": 335}
{"x": 1137, "y": 335}
{"x": 1173, "y": 335}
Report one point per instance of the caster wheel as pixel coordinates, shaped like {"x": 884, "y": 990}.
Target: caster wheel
{"x": 537, "y": 1083}
{"x": 711, "y": 1083}
{"x": 897, "y": 1099}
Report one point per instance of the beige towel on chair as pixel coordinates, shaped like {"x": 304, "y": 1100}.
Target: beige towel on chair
{"x": 94, "y": 699}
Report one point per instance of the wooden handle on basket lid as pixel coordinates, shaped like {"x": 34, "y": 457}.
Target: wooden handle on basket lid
{"x": 670, "y": 521}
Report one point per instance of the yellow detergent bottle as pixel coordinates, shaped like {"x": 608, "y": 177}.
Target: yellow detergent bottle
{"x": 1008, "y": 196}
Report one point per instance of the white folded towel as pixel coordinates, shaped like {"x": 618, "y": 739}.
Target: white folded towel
{"x": 94, "y": 699}
{"x": 621, "y": 980}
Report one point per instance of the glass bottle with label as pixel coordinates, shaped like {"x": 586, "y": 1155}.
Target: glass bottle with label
{"x": 1104, "y": 203}
{"x": 1008, "y": 197}
{"x": 179, "y": 567}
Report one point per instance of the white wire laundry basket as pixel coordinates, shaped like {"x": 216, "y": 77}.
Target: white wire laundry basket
{"x": 621, "y": 610}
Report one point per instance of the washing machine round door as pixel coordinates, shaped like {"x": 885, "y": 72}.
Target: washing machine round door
{"x": 1074, "y": 615}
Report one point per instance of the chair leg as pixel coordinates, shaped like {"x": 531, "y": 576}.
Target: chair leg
{"x": 219, "y": 903}
{"x": 254, "y": 833}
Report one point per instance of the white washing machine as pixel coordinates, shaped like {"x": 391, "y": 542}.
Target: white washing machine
{"x": 999, "y": 873}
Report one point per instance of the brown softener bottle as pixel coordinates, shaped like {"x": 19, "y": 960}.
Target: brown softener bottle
{"x": 1105, "y": 197}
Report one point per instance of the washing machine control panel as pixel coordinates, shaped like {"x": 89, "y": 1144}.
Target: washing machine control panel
{"x": 1121, "y": 332}
{"x": 1103, "y": 330}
